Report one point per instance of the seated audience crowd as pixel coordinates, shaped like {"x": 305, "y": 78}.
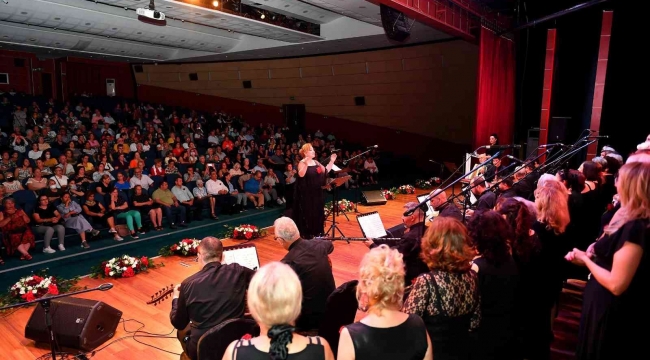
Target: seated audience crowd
{"x": 97, "y": 162}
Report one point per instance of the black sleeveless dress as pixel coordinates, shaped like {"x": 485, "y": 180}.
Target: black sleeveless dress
{"x": 244, "y": 350}
{"x": 309, "y": 203}
{"x": 406, "y": 341}
{"x": 611, "y": 327}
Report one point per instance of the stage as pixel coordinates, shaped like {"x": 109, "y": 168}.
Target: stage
{"x": 130, "y": 295}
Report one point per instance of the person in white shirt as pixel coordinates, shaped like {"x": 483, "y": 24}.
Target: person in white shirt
{"x": 260, "y": 166}
{"x": 35, "y": 153}
{"x": 201, "y": 199}
{"x": 140, "y": 179}
{"x": 219, "y": 195}
{"x": 108, "y": 119}
{"x": 60, "y": 179}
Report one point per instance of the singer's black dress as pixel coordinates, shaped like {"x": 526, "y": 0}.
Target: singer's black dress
{"x": 309, "y": 202}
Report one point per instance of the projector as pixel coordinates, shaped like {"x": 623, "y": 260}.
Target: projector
{"x": 151, "y": 14}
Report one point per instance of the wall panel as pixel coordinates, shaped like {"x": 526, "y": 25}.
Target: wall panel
{"x": 428, "y": 89}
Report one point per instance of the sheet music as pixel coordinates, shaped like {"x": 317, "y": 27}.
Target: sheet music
{"x": 371, "y": 225}
{"x": 335, "y": 168}
{"x": 245, "y": 256}
{"x": 430, "y": 210}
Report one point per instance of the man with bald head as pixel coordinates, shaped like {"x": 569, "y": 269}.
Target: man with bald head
{"x": 214, "y": 294}
{"x": 439, "y": 203}
{"x": 309, "y": 259}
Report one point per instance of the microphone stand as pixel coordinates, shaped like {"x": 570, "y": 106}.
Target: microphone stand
{"x": 458, "y": 170}
{"x": 566, "y": 157}
{"x": 46, "y": 302}
{"x": 531, "y": 161}
{"x": 345, "y": 162}
{"x": 423, "y": 204}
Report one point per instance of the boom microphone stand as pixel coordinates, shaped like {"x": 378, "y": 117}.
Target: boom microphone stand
{"x": 345, "y": 162}
{"x": 423, "y": 204}
{"x": 46, "y": 302}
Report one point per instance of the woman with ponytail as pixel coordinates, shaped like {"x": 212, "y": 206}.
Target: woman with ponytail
{"x": 274, "y": 300}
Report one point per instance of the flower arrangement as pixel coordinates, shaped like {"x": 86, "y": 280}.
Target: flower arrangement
{"x": 246, "y": 232}
{"x": 388, "y": 194}
{"x": 185, "y": 247}
{"x": 35, "y": 286}
{"x": 406, "y": 189}
{"x": 124, "y": 266}
{"x": 427, "y": 184}
{"x": 344, "y": 206}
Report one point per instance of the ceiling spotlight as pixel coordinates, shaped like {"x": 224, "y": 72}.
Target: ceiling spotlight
{"x": 215, "y": 3}
{"x": 262, "y": 16}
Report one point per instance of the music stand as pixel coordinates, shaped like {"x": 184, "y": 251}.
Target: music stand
{"x": 334, "y": 185}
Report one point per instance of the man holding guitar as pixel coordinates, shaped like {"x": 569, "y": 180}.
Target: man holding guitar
{"x": 214, "y": 294}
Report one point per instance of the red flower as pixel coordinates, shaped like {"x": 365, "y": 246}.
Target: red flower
{"x": 235, "y": 233}
{"x": 174, "y": 247}
{"x": 29, "y": 296}
{"x": 128, "y": 273}
{"x": 247, "y": 337}
{"x": 107, "y": 271}
{"x": 248, "y": 235}
{"x": 37, "y": 278}
{"x": 144, "y": 261}
{"x": 319, "y": 170}
{"x": 52, "y": 289}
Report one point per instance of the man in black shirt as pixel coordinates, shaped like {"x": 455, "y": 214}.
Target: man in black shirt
{"x": 209, "y": 297}
{"x": 444, "y": 208}
{"x": 409, "y": 246}
{"x": 486, "y": 199}
{"x": 309, "y": 259}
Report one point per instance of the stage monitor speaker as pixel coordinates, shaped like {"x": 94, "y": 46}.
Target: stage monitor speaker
{"x": 77, "y": 323}
{"x": 396, "y": 25}
{"x": 373, "y": 197}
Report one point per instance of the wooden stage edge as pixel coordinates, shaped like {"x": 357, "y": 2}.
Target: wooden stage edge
{"x": 130, "y": 295}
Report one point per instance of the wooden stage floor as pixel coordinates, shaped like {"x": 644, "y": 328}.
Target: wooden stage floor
{"x": 130, "y": 295}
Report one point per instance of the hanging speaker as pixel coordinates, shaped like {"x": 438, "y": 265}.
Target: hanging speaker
{"x": 396, "y": 25}
{"x": 81, "y": 324}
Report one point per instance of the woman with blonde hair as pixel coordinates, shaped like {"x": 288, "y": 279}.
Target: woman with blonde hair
{"x": 614, "y": 305}
{"x": 274, "y": 300}
{"x": 447, "y": 298}
{"x": 308, "y": 200}
{"x": 386, "y": 332}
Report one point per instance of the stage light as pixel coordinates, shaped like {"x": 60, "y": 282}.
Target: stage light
{"x": 262, "y": 16}
{"x": 215, "y": 3}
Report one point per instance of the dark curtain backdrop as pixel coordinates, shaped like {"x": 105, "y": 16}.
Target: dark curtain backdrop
{"x": 91, "y": 78}
{"x": 495, "y": 110}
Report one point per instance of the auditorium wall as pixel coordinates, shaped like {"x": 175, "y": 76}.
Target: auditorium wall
{"x": 426, "y": 92}
{"x": 26, "y": 77}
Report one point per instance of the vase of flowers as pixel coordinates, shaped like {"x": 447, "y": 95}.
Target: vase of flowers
{"x": 124, "y": 266}
{"x": 246, "y": 232}
{"x": 344, "y": 206}
{"x": 185, "y": 247}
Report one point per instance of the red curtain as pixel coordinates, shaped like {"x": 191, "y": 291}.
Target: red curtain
{"x": 495, "y": 110}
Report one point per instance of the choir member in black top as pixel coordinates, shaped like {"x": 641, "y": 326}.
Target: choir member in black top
{"x": 498, "y": 279}
{"x": 214, "y": 294}
{"x": 409, "y": 246}
{"x": 309, "y": 259}
{"x": 615, "y": 309}
{"x": 385, "y": 332}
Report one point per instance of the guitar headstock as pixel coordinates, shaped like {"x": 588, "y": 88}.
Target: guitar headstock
{"x": 161, "y": 295}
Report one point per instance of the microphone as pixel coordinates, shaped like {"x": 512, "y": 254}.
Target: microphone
{"x": 373, "y": 147}
{"x": 551, "y": 145}
{"x": 503, "y": 147}
{"x": 435, "y": 162}
{"x": 599, "y": 137}
{"x": 106, "y": 286}
{"x": 514, "y": 158}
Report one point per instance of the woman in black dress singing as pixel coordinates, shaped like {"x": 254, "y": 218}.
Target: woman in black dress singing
{"x": 309, "y": 201}
{"x": 615, "y": 306}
